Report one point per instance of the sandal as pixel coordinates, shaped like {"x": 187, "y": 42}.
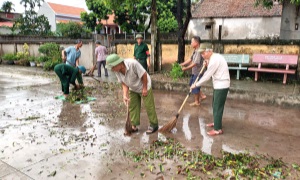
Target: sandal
{"x": 194, "y": 104}
{"x": 134, "y": 129}
{"x": 210, "y": 125}
{"x": 151, "y": 130}
{"x": 215, "y": 132}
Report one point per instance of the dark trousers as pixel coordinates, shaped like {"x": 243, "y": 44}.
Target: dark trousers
{"x": 219, "y": 99}
{"x": 99, "y": 63}
{"x": 64, "y": 80}
{"x": 143, "y": 62}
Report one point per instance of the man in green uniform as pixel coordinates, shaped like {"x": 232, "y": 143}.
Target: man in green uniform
{"x": 67, "y": 75}
{"x": 141, "y": 52}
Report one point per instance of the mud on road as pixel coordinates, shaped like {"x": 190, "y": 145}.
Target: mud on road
{"x": 42, "y": 137}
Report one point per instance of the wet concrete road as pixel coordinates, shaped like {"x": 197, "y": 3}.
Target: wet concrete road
{"x": 41, "y": 137}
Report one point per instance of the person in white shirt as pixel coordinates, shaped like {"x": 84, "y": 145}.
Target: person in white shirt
{"x": 217, "y": 68}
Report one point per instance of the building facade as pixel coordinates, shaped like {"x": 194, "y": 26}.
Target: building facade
{"x": 57, "y": 13}
{"x": 231, "y": 19}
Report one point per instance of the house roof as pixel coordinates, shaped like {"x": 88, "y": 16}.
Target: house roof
{"x": 66, "y": 10}
{"x": 110, "y": 21}
{"x": 9, "y": 16}
{"x": 233, "y": 8}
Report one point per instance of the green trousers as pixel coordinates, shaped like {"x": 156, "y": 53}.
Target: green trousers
{"x": 135, "y": 108}
{"x": 219, "y": 98}
{"x": 143, "y": 62}
{"x": 64, "y": 80}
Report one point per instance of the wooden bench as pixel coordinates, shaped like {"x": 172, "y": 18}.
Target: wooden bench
{"x": 239, "y": 60}
{"x": 277, "y": 59}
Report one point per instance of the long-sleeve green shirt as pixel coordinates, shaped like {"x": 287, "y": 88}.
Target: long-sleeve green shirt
{"x": 72, "y": 72}
{"x": 67, "y": 75}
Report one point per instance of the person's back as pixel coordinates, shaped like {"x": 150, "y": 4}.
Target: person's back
{"x": 101, "y": 53}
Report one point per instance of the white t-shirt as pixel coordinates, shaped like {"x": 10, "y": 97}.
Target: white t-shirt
{"x": 133, "y": 76}
{"x": 217, "y": 69}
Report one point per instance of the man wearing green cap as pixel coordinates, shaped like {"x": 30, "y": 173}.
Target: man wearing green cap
{"x": 136, "y": 85}
{"x": 217, "y": 69}
{"x": 67, "y": 75}
{"x": 141, "y": 52}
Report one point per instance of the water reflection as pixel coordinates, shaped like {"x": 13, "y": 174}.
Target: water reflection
{"x": 207, "y": 140}
{"x": 185, "y": 127}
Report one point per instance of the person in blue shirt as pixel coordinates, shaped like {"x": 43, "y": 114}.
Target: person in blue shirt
{"x": 72, "y": 54}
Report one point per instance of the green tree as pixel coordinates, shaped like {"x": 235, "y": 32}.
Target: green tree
{"x": 31, "y": 3}
{"x": 98, "y": 12}
{"x": 289, "y": 19}
{"x": 30, "y": 23}
{"x": 132, "y": 15}
{"x": 183, "y": 20}
{"x": 7, "y": 7}
{"x": 130, "y": 6}
{"x": 167, "y": 16}
{"x": 70, "y": 29}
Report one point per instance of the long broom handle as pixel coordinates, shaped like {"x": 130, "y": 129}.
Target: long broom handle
{"x": 188, "y": 95}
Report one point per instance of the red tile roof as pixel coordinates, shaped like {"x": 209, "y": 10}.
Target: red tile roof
{"x": 232, "y": 8}
{"x": 8, "y": 24}
{"x": 67, "y": 21}
{"x": 110, "y": 21}
{"x": 64, "y": 9}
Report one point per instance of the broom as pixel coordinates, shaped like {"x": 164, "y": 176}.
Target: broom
{"x": 128, "y": 125}
{"x": 172, "y": 123}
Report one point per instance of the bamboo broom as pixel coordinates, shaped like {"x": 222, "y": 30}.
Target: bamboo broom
{"x": 172, "y": 123}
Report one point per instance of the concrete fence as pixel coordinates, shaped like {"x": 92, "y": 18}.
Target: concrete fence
{"x": 13, "y": 44}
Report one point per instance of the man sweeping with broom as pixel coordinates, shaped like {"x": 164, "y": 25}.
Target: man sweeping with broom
{"x": 217, "y": 69}
{"x": 136, "y": 85}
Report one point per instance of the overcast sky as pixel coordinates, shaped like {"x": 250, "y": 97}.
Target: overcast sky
{"x": 20, "y": 9}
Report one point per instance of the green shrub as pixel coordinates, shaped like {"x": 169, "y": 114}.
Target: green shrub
{"x": 24, "y": 62}
{"x": 51, "y": 55}
{"x": 49, "y": 49}
{"x": 10, "y": 57}
{"x": 43, "y": 59}
{"x": 176, "y": 71}
{"x": 70, "y": 30}
{"x": 49, "y": 65}
{"x": 25, "y": 53}
{"x": 31, "y": 59}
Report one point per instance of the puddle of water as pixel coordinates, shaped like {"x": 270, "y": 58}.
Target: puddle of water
{"x": 185, "y": 127}
{"x": 207, "y": 141}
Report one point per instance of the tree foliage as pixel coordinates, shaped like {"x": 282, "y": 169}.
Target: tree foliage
{"x": 269, "y": 3}
{"x": 183, "y": 19}
{"x": 132, "y": 15}
{"x": 98, "y": 12}
{"x": 31, "y": 4}
{"x": 71, "y": 29}
{"x": 31, "y": 23}
{"x": 7, "y": 7}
